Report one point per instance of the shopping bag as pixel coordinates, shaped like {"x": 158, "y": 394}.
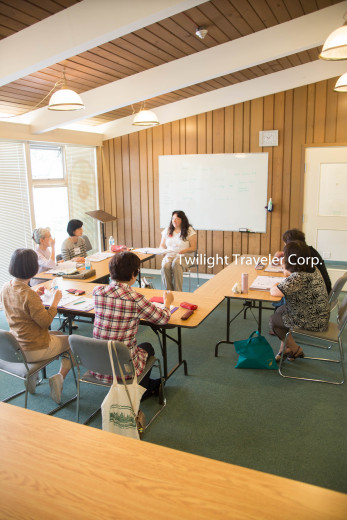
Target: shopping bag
{"x": 120, "y": 408}
{"x": 255, "y": 352}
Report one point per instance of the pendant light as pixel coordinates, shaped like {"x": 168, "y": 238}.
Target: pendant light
{"x": 341, "y": 84}
{"x": 65, "y": 99}
{"x": 335, "y": 46}
{"x": 145, "y": 117}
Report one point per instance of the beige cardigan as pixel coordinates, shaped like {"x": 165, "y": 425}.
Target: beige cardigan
{"x": 26, "y": 315}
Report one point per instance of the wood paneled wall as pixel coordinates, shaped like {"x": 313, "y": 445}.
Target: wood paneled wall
{"x": 128, "y": 179}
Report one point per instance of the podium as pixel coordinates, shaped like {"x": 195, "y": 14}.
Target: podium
{"x": 102, "y": 217}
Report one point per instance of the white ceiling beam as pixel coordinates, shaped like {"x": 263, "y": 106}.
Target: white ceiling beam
{"x": 78, "y": 28}
{"x": 226, "y": 96}
{"x": 270, "y": 44}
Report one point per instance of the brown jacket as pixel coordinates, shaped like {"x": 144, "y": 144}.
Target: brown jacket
{"x": 26, "y": 315}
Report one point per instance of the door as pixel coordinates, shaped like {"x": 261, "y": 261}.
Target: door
{"x": 325, "y": 201}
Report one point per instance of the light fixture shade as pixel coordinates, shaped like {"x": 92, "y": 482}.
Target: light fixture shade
{"x": 341, "y": 83}
{"x": 335, "y": 46}
{"x": 65, "y": 99}
{"x": 145, "y": 118}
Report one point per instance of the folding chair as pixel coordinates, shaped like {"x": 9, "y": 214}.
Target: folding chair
{"x": 188, "y": 269}
{"x": 92, "y": 354}
{"x": 330, "y": 337}
{"x": 13, "y": 362}
{"x": 335, "y": 291}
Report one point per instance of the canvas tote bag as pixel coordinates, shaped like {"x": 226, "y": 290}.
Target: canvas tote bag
{"x": 121, "y": 405}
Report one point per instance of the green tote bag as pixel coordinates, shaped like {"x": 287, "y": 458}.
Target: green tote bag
{"x": 255, "y": 352}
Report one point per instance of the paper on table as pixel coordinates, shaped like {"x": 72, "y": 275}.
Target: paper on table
{"x": 274, "y": 268}
{"x": 63, "y": 267}
{"x": 162, "y": 306}
{"x": 67, "y": 298}
{"x": 264, "y": 283}
{"x": 152, "y": 250}
{"x": 83, "y": 304}
{"x": 97, "y": 257}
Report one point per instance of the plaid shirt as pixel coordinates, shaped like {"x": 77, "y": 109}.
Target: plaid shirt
{"x": 118, "y": 310}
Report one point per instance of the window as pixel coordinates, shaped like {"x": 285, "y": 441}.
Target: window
{"x": 64, "y": 187}
{"x": 15, "y": 229}
{"x": 44, "y": 185}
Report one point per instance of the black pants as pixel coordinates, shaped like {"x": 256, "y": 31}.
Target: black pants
{"x": 276, "y": 323}
{"x": 150, "y": 351}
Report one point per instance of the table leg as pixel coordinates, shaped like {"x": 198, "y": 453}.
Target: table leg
{"x": 259, "y": 316}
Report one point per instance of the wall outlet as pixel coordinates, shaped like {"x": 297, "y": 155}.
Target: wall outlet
{"x": 326, "y": 255}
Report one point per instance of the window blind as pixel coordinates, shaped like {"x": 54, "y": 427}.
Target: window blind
{"x": 15, "y": 228}
{"x": 82, "y": 189}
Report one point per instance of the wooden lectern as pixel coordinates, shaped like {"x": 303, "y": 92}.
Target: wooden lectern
{"x": 102, "y": 217}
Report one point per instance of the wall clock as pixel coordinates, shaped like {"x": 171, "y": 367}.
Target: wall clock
{"x": 268, "y": 138}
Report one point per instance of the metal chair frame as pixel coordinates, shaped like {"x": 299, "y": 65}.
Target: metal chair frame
{"x": 101, "y": 363}
{"x": 11, "y": 354}
{"x": 330, "y": 338}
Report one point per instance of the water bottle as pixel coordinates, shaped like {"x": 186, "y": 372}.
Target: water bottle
{"x": 244, "y": 283}
{"x": 110, "y": 242}
{"x": 87, "y": 264}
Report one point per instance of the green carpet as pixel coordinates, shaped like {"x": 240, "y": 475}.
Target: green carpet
{"x": 253, "y": 418}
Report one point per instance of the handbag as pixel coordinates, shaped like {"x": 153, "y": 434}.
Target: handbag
{"x": 255, "y": 352}
{"x": 81, "y": 275}
{"x": 120, "y": 408}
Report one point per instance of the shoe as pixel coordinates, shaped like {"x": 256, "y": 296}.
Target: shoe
{"x": 31, "y": 384}
{"x": 56, "y": 386}
{"x": 271, "y": 332}
{"x": 74, "y": 326}
{"x": 292, "y": 356}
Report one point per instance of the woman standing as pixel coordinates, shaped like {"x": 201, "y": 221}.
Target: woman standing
{"x": 45, "y": 248}
{"x": 306, "y": 297}
{"x": 74, "y": 247}
{"x": 29, "y": 320}
{"x": 181, "y": 241}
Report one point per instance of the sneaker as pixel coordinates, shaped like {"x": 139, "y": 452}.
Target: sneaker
{"x": 56, "y": 386}
{"x": 31, "y": 384}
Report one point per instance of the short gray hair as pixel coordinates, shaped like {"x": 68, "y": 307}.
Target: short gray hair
{"x": 39, "y": 233}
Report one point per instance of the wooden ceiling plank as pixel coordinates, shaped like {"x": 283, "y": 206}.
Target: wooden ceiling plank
{"x": 136, "y": 52}
{"x": 236, "y": 19}
{"x": 135, "y": 39}
{"x": 180, "y": 43}
{"x": 279, "y": 10}
{"x": 249, "y": 15}
{"x": 308, "y": 6}
{"x": 294, "y": 8}
{"x": 188, "y": 26}
{"x": 159, "y": 43}
{"x": 38, "y": 12}
{"x": 187, "y": 36}
{"x": 264, "y": 13}
{"x": 52, "y": 7}
{"x": 128, "y": 51}
{"x": 219, "y": 26}
{"x": 12, "y": 25}
{"x": 98, "y": 60}
{"x": 9, "y": 11}
{"x": 83, "y": 65}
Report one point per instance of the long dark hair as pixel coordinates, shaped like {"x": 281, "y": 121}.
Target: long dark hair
{"x": 184, "y": 224}
{"x": 297, "y": 257}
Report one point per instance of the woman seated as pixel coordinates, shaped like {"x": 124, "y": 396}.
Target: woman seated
{"x": 29, "y": 320}
{"x": 118, "y": 311}
{"x": 296, "y": 234}
{"x": 306, "y": 298}
{"x": 181, "y": 241}
{"x": 45, "y": 248}
{"x": 74, "y": 247}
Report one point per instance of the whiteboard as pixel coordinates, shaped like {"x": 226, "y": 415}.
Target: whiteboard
{"x": 225, "y": 192}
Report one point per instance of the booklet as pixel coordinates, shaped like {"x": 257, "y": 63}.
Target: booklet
{"x": 264, "y": 283}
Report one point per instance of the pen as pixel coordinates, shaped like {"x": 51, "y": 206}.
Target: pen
{"x": 173, "y": 310}
{"x": 77, "y": 303}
